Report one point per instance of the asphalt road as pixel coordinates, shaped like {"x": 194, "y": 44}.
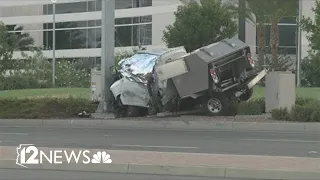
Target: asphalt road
{"x": 297, "y": 144}
{"x": 7, "y": 174}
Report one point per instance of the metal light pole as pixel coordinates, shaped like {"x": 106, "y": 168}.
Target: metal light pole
{"x": 107, "y": 53}
{"x": 53, "y": 43}
{"x": 299, "y": 46}
{"x": 242, "y": 21}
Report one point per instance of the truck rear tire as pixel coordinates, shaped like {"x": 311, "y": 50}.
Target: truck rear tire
{"x": 216, "y": 105}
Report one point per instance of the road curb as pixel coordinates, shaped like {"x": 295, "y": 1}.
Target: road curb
{"x": 197, "y": 171}
{"x": 161, "y": 124}
{"x": 271, "y": 174}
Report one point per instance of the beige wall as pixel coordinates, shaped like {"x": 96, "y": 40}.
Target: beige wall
{"x": 160, "y": 21}
{"x": 307, "y": 12}
{"x": 251, "y": 36}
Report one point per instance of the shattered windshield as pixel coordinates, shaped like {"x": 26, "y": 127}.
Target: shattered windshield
{"x": 139, "y": 64}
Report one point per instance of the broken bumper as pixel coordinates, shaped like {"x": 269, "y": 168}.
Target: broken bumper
{"x": 254, "y": 81}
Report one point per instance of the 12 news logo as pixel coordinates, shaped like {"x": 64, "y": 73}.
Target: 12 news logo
{"x": 36, "y": 156}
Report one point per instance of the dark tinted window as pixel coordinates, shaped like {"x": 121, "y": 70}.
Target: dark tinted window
{"x": 125, "y": 35}
{"x": 289, "y": 20}
{"x": 90, "y": 6}
{"x": 287, "y": 38}
{"x": 64, "y": 8}
{"x": 91, "y": 38}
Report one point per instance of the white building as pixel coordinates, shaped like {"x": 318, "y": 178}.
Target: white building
{"x": 78, "y": 30}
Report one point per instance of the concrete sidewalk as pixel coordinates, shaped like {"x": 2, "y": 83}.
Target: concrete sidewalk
{"x": 174, "y": 123}
{"x": 186, "y": 164}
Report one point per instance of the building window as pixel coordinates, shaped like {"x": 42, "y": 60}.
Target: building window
{"x": 133, "y": 31}
{"x": 63, "y": 8}
{"x": 93, "y": 5}
{"x": 129, "y": 35}
{"x": 287, "y": 35}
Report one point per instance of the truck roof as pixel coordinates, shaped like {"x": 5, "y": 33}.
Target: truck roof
{"x": 161, "y": 51}
{"x": 216, "y": 51}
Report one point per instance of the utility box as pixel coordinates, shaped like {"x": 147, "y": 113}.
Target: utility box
{"x": 280, "y": 90}
{"x": 95, "y": 85}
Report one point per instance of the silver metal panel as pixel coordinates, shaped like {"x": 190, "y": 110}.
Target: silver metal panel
{"x": 171, "y": 69}
{"x": 255, "y": 80}
{"x": 142, "y": 63}
{"x": 116, "y": 88}
{"x": 134, "y": 94}
{"x": 195, "y": 80}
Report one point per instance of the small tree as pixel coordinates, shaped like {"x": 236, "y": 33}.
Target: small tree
{"x": 310, "y": 71}
{"x": 199, "y": 25}
{"x": 313, "y": 28}
{"x": 24, "y": 41}
{"x": 254, "y": 7}
{"x": 277, "y": 10}
{"x": 270, "y": 11}
{"x": 10, "y": 42}
{"x": 310, "y": 66}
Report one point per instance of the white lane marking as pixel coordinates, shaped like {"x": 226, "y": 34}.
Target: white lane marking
{"x": 107, "y": 135}
{"x": 143, "y": 146}
{"x": 23, "y": 134}
{"x": 281, "y": 140}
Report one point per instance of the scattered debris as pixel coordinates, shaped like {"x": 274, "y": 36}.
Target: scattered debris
{"x": 84, "y": 114}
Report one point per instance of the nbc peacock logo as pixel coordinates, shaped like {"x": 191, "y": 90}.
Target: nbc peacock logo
{"x": 101, "y": 157}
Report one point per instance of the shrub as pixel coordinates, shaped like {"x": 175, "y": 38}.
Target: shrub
{"x": 300, "y": 113}
{"x": 68, "y": 74}
{"x": 305, "y": 110}
{"x": 36, "y": 72}
{"x": 315, "y": 116}
{"x": 252, "y": 107}
{"x": 49, "y": 107}
{"x": 303, "y": 101}
{"x": 280, "y": 114}
{"x": 21, "y": 81}
{"x": 311, "y": 71}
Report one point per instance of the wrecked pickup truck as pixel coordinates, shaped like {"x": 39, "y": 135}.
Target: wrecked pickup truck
{"x": 210, "y": 78}
{"x": 130, "y": 92}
